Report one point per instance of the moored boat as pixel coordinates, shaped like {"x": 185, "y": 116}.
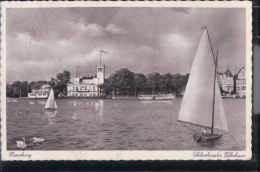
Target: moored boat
{"x": 164, "y": 96}
{"x": 12, "y": 101}
{"x": 145, "y": 96}
{"x": 168, "y": 96}
{"x": 227, "y": 96}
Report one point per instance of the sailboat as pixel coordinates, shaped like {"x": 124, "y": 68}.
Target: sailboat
{"x": 202, "y": 103}
{"x": 50, "y": 103}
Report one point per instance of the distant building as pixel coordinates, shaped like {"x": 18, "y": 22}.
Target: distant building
{"x": 41, "y": 93}
{"x": 87, "y": 87}
{"x": 240, "y": 82}
{"x": 226, "y": 82}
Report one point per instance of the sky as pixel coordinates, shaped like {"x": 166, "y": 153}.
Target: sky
{"x": 43, "y": 42}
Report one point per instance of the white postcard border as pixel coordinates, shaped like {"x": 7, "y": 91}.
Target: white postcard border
{"x": 129, "y": 155}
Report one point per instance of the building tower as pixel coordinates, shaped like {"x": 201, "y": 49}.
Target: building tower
{"x": 101, "y": 74}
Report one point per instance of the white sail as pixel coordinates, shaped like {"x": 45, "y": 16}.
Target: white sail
{"x": 50, "y": 103}
{"x": 197, "y": 103}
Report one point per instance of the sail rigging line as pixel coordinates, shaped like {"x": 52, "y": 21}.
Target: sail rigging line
{"x": 183, "y": 123}
{"x": 214, "y": 90}
{"x": 213, "y": 56}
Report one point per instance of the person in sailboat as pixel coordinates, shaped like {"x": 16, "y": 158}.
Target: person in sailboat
{"x": 205, "y": 131}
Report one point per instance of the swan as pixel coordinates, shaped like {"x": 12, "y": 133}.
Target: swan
{"x": 21, "y": 144}
{"x": 37, "y": 140}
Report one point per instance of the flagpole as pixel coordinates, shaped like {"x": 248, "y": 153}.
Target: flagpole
{"x": 99, "y": 56}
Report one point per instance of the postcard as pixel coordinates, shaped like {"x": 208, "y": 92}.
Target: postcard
{"x": 113, "y": 80}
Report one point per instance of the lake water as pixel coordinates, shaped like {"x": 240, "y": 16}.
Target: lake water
{"x": 92, "y": 124}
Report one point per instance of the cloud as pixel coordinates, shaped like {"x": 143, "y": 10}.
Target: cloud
{"x": 176, "y": 45}
{"x": 96, "y": 30}
{"x": 91, "y": 29}
{"x": 114, "y": 29}
{"x": 42, "y": 42}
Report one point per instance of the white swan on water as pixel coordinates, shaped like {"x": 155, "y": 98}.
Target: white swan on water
{"x": 37, "y": 140}
{"x": 21, "y": 144}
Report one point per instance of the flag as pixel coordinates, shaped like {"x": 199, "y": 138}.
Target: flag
{"x": 205, "y": 27}
{"x": 102, "y": 51}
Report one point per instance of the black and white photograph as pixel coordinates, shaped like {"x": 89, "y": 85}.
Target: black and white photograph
{"x": 135, "y": 80}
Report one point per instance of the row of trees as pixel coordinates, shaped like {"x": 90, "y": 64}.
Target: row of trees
{"x": 22, "y": 88}
{"x": 125, "y": 82}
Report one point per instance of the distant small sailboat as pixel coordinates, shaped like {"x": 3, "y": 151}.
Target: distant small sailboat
{"x": 113, "y": 94}
{"x": 202, "y": 103}
{"x": 50, "y": 103}
{"x": 21, "y": 144}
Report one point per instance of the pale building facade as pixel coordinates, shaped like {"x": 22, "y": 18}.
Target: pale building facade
{"x": 87, "y": 87}
{"x": 226, "y": 81}
{"x": 240, "y": 82}
{"x": 41, "y": 93}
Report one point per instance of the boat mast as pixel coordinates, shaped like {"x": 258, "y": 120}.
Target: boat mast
{"x": 27, "y": 88}
{"x": 214, "y": 90}
{"x": 213, "y": 56}
{"x": 215, "y": 62}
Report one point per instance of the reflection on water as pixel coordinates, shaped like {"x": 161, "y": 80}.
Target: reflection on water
{"x": 211, "y": 144}
{"x": 92, "y": 124}
{"x": 41, "y": 102}
{"x": 51, "y": 116}
{"x": 31, "y": 103}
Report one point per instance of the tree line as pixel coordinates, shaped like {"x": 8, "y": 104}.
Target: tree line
{"x": 122, "y": 82}
{"x": 125, "y": 82}
{"x": 22, "y": 88}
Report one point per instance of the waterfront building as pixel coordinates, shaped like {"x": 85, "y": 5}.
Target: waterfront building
{"x": 226, "y": 82}
{"x": 240, "y": 82}
{"x": 41, "y": 93}
{"x": 89, "y": 87}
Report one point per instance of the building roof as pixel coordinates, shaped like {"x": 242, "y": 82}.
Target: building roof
{"x": 241, "y": 69}
{"x": 228, "y": 73}
{"x": 236, "y": 75}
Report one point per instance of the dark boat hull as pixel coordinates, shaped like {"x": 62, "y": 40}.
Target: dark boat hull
{"x": 206, "y": 138}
